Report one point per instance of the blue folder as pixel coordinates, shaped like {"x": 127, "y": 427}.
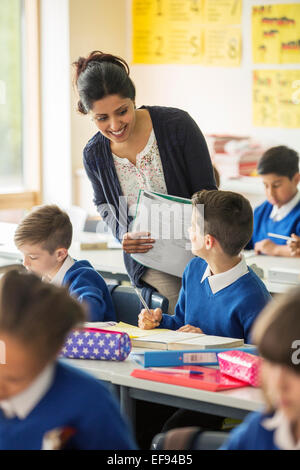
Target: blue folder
{"x": 203, "y": 357}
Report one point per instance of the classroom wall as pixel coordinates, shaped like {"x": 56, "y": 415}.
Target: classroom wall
{"x": 94, "y": 25}
{"x": 218, "y": 98}
{"x": 55, "y": 105}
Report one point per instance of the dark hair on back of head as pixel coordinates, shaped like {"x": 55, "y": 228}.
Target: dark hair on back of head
{"x": 39, "y": 315}
{"x": 279, "y": 160}
{"x": 48, "y": 226}
{"x": 228, "y": 217}
{"x": 276, "y": 332}
{"x": 100, "y": 75}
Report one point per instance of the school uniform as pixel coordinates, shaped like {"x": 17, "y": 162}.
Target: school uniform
{"x": 88, "y": 286}
{"x": 283, "y": 220}
{"x": 261, "y": 431}
{"x": 63, "y": 397}
{"x": 224, "y": 304}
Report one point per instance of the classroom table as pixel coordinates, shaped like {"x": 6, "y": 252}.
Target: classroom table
{"x": 110, "y": 262}
{"x": 266, "y": 262}
{"x": 236, "y": 403}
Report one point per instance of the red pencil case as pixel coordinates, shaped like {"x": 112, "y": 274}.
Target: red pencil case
{"x": 241, "y": 365}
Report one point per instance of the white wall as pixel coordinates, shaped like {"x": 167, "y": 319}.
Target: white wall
{"x": 55, "y": 89}
{"x": 218, "y": 98}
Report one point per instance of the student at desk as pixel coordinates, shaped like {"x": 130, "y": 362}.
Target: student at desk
{"x": 280, "y": 214}
{"x": 44, "y": 237}
{"x": 276, "y": 334}
{"x": 153, "y": 147}
{"x": 45, "y": 403}
{"x": 220, "y": 294}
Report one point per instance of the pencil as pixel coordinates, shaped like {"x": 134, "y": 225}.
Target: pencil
{"x": 282, "y": 237}
{"x": 166, "y": 370}
{"x": 141, "y": 299}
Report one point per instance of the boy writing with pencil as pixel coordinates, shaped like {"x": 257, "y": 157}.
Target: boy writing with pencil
{"x": 220, "y": 294}
{"x": 276, "y": 219}
{"x": 44, "y": 237}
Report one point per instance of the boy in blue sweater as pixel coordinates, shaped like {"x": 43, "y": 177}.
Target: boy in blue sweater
{"x": 44, "y": 237}
{"x": 277, "y": 335}
{"x": 280, "y": 214}
{"x": 220, "y": 294}
{"x": 45, "y": 403}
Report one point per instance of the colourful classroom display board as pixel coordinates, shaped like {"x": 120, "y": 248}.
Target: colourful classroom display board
{"x": 186, "y": 32}
{"x": 276, "y": 34}
{"x": 276, "y": 98}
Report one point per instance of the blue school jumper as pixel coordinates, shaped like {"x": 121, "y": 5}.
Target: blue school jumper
{"x": 74, "y": 399}
{"x": 229, "y": 312}
{"x": 262, "y": 224}
{"x": 251, "y": 435}
{"x": 89, "y": 287}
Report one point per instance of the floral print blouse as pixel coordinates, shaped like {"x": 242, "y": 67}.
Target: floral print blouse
{"x": 146, "y": 174}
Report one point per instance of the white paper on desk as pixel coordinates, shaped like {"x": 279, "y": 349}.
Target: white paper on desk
{"x": 168, "y": 221}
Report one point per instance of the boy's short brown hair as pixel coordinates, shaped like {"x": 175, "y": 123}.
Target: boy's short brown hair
{"x": 228, "y": 217}
{"x": 38, "y": 314}
{"x": 276, "y": 331}
{"x": 48, "y": 226}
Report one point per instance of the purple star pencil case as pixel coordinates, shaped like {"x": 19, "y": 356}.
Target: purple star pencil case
{"x": 93, "y": 343}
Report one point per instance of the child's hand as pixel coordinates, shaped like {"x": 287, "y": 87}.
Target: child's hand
{"x": 294, "y": 245}
{"x": 147, "y": 322}
{"x": 266, "y": 247}
{"x": 190, "y": 329}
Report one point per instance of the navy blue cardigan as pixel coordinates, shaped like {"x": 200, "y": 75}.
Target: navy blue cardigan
{"x": 186, "y": 165}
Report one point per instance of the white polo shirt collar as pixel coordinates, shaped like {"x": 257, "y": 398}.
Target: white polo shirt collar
{"x": 219, "y": 281}
{"x": 22, "y": 404}
{"x": 283, "y": 437}
{"x": 59, "y": 276}
{"x": 279, "y": 213}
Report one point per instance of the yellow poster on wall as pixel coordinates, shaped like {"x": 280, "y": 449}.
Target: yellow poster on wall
{"x": 186, "y": 31}
{"x": 223, "y": 11}
{"x": 222, "y": 46}
{"x": 276, "y": 34}
{"x": 276, "y": 98}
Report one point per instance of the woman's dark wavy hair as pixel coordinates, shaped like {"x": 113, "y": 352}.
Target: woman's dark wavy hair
{"x": 100, "y": 75}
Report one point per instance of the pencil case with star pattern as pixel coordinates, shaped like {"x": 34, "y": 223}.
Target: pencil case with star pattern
{"x": 97, "y": 344}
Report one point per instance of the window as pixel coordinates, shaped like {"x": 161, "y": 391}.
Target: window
{"x": 11, "y": 174}
{"x": 20, "y": 135}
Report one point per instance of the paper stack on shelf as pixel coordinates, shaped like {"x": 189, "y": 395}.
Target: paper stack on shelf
{"x": 235, "y": 156}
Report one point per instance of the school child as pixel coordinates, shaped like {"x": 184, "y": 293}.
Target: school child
{"x": 280, "y": 213}
{"x": 44, "y": 237}
{"x": 277, "y": 335}
{"x": 220, "y": 294}
{"x": 46, "y": 403}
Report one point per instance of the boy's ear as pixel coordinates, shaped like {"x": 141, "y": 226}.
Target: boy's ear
{"x": 61, "y": 254}
{"x": 209, "y": 241}
{"x": 297, "y": 178}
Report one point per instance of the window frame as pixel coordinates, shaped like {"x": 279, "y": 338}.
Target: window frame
{"x": 30, "y": 195}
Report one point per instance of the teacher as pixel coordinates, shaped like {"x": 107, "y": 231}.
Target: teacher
{"x": 156, "y": 148}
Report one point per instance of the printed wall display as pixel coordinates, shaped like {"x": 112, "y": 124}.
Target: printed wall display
{"x": 276, "y": 98}
{"x": 186, "y": 32}
{"x": 276, "y": 34}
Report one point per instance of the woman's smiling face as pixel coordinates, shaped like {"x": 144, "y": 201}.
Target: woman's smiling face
{"x": 115, "y": 117}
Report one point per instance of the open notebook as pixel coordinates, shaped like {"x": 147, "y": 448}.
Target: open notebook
{"x": 171, "y": 340}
